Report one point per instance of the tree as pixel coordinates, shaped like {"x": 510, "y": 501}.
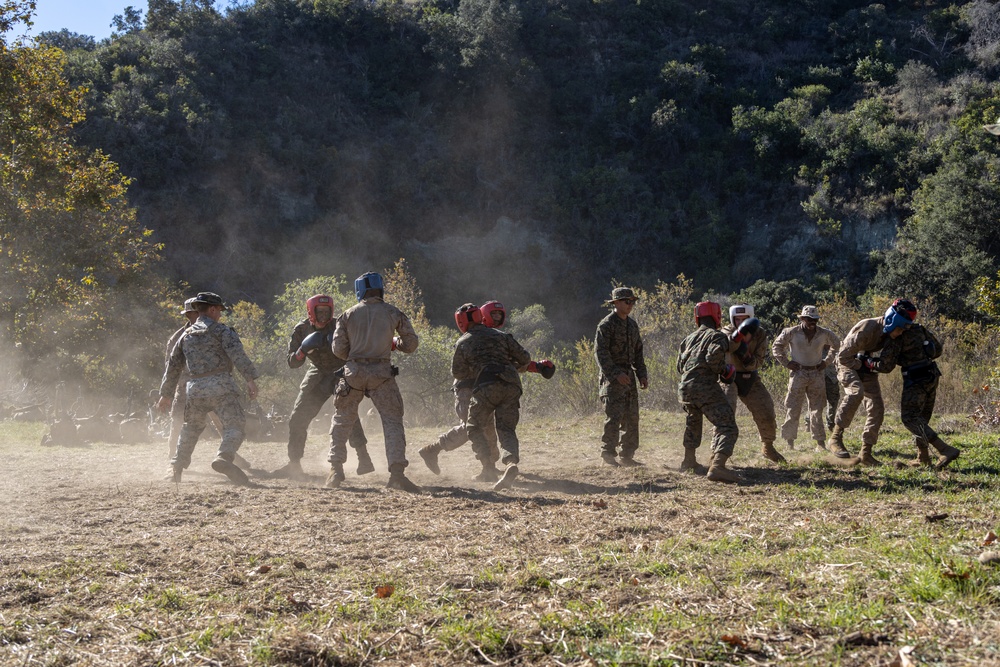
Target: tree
{"x": 77, "y": 266}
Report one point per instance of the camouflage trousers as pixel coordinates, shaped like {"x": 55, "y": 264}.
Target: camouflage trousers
{"x": 761, "y": 406}
{"x": 314, "y": 391}
{"x": 805, "y": 385}
{"x": 709, "y": 402}
{"x": 621, "y": 418}
{"x": 458, "y": 435}
{"x": 832, "y": 398}
{"x": 375, "y": 380}
{"x": 860, "y": 389}
{"x": 196, "y": 410}
{"x": 917, "y": 408}
{"x": 177, "y": 418}
{"x": 498, "y": 402}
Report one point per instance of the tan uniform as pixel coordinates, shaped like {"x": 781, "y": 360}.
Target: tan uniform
{"x": 748, "y": 387}
{"x": 861, "y": 387}
{"x": 364, "y": 339}
{"x": 806, "y": 384}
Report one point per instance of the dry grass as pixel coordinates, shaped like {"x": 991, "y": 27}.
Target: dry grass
{"x": 806, "y": 564}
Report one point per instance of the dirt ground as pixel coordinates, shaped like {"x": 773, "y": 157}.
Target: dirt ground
{"x": 105, "y": 563}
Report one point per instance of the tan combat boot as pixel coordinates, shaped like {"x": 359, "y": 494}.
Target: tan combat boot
{"x": 690, "y": 463}
{"x": 489, "y": 474}
{"x": 430, "y": 456}
{"x": 336, "y": 476}
{"x": 230, "y": 470}
{"x": 718, "y": 472}
{"x": 398, "y": 481}
{"x": 291, "y": 470}
{"x": 923, "y": 455}
{"x": 365, "y": 464}
{"x": 866, "y": 458}
{"x": 173, "y": 475}
{"x": 507, "y": 480}
{"x": 947, "y": 452}
{"x": 609, "y": 458}
{"x": 836, "y": 443}
{"x": 770, "y": 453}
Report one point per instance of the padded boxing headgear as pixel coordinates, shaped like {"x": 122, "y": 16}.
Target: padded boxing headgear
{"x": 901, "y": 313}
{"x": 314, "y": 302}
{"x": 740, "y": 310}
{"x": 363, "y": 283}
{"x": 466, "y": 315}
{"x": 487, "y": 311}
{"x": 708, "y": 309}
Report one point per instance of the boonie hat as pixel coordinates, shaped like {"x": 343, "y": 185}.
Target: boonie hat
{"x": 810, "y": 312}
{"x": 619, "y": 293}
{"x": 188, "y": 307}
{"x": 210, "y": 299}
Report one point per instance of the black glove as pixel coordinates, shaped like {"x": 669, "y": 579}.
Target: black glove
{"x": 728, "y": 373}
{"x": 314, "y": 341}
{"x": 546, "y": 368}
{"x": 749, "y": 326}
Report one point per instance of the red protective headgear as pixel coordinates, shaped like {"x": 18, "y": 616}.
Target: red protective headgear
{"x": 905, "y": 308}
{"x": 487, "y": 313}
{"x": 312, "y": 303}
{"x": 708, "y": 309}
{"x": 466, "y": 315}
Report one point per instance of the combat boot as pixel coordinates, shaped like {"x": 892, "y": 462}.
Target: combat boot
{"x": 365, "y": 464}
{"x": 507, "y": 480}
{"x": 790, "y": 444}
{"x": 230, "y": 470}
{"x": 627, "y": 461}
{"x": 609, "y": 458}
{"x": 291, "y": 470}
{"x": 836, "y": 443}
{"x": 336, "y": 476}
{"x": 489, "y": 474}
{"x": 690, "y": 462}
{"x": 866, "y": 458}
{"x": 173, "y": 474}
{"x": 770, "y": 453}
{"x": 923, "y": 455}
{"x": 718, "y": 472}
{"x": 947, "y": 452}
{"x": 398, "y": 481}
{"x": 430, "y": 456}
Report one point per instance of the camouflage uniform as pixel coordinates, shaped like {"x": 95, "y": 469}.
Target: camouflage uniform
{"x": 317, "y": 386}
{"x": 914, "y": 351}
{"x": 618, "y": 348}
{"x": 491, "y": 359}
{"x": 813, "y": 354}
{"x": 832, "y": 393}
{"x": 748, "y": 386}
{"x": 364, "y": 337}
{"x": 701, "y": 359}
{"x": 860, "y": 386}
{"x": 180, "y": 395}
{"x": 208, "y": 350}
{"x": 458, "y": 435}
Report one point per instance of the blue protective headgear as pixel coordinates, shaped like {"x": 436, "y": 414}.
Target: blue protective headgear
{"x": 895, "y": 319}
{"x": 363, "y": 283}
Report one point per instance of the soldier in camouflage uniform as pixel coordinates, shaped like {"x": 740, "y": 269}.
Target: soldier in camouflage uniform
{"x": 747, "y": 384}
{"x": 914, "y": 348}
{"x": 857, "y": 376}
{"x": 180, "y": 396}
{"x": 209, "y": 350}
{"x": 700, "y": 363}
{"x": 311, "y": 339}
{"x": 805, "y": 350}
{"x": 618, "y": 348}
{"x": 364, "y": 338}
{"x": 457, "y": 436}
{"x": 492, "y": 360}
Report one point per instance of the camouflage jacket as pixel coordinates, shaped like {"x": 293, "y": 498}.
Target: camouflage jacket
{"x": 865, "y": 336}
{"x": 618, "y": 348}
{"x": 365, "y": 331}
{"x": 792, "y": 344}
{"x": 915, "y": 345}
{"x": 322, "y": 358}
{"x": 207, "y": 350}
{"x": 480, "y": 347}
{"x": 702, "y": 357}
{"x": 758, "y": 347}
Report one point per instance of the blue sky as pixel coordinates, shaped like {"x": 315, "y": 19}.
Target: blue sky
{"x": 87, "y": 17}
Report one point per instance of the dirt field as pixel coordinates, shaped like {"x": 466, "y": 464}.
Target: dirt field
{"x": 103, "y": 563}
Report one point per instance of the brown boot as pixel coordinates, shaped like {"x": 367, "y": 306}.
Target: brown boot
{"x": 365, "y": 464}
{"x": 771, "y": 454}
{"x": 291, "y": 470}
{"x": 866, "y": 458}
{"x": 690, "y": 463}
{"x": 173, "y": 475}
{"x": 230, "y": 470}
{"x": 398, "y": 481}
{"x": 336, "y": 476}
{"x": 609, "y": 458}
{"x": 718, "y": 472}
{"x": 489, "y": 474}
{"x": 507, "y": 480}
{"x": 430, "y": 456}
{"x": 836, "y": 443}
{"x": 923, "y": 456}
{"x": 947, "y": 452}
